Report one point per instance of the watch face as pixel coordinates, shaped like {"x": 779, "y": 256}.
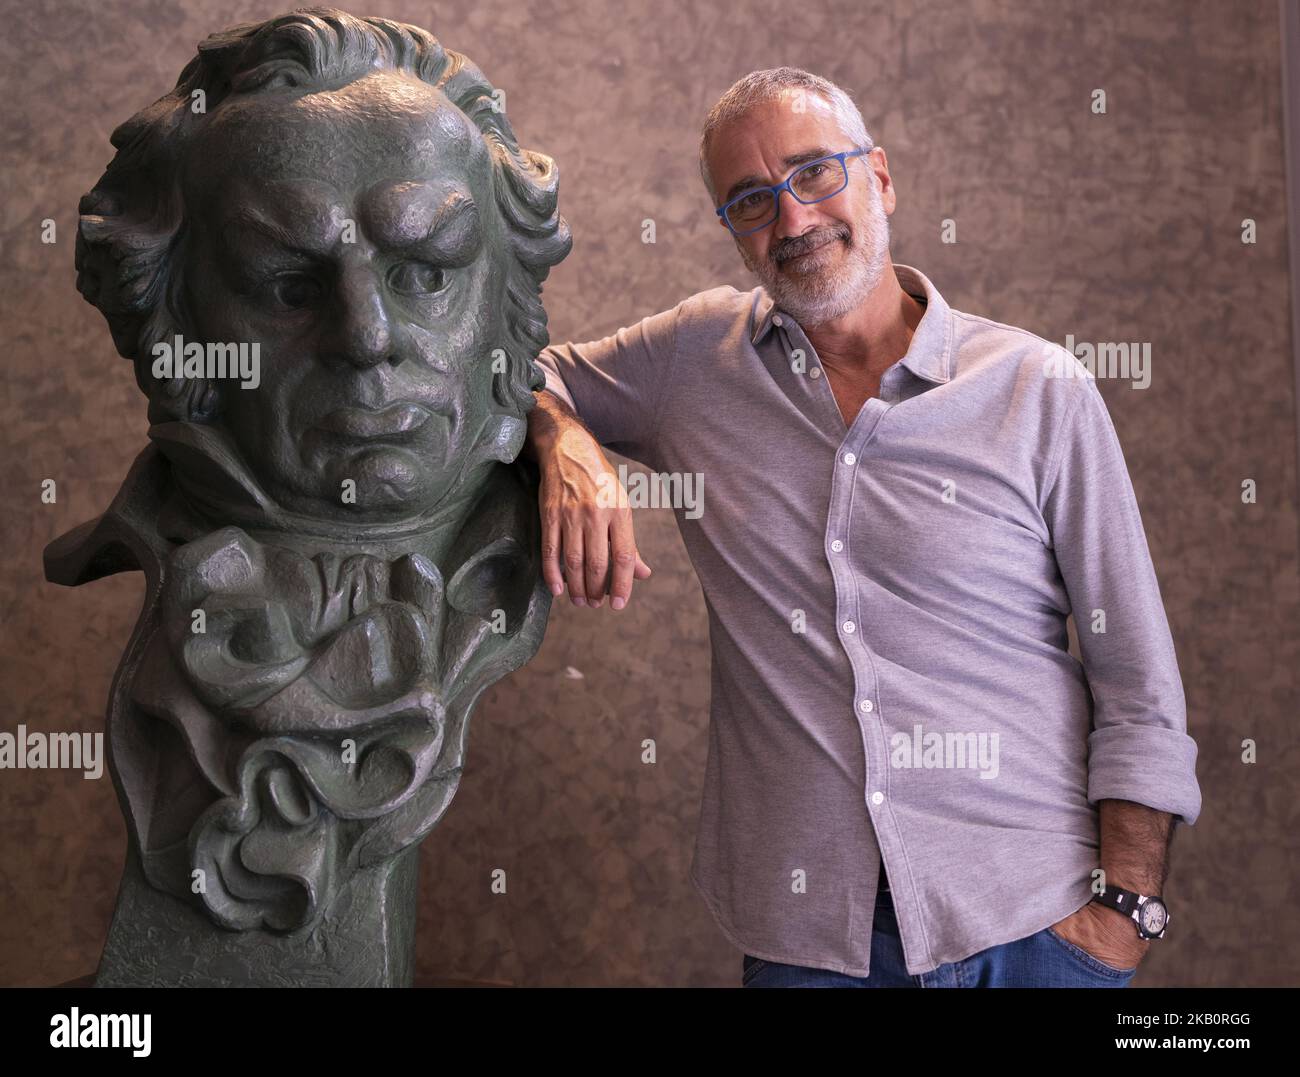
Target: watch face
{"x": 1153, "y": 914}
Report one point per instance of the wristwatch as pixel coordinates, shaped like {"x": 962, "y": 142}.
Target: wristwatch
{"x": 1149, "y": 913}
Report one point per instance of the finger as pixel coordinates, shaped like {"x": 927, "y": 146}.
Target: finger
{"x": 573, "y": 561}
{"x": 643, "y": 570}
{"x": 596, "y": 552}
{"x": 623, "y": 549}
{"x": 552, "y": 570}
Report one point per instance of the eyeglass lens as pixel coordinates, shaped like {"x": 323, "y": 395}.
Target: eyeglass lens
{"x": 811, "y": 183}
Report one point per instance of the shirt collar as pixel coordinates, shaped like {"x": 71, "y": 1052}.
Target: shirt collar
{"x": 930, "y": 354}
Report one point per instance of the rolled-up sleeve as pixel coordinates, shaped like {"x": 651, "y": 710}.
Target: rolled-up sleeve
{"x": 1139, "y": 748}
{"x": 616, "y": 385}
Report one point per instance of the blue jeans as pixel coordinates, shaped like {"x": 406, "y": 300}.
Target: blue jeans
{"x": 1043, "y": 959}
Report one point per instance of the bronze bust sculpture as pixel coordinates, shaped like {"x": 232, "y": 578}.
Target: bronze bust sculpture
{"x": 323, "y": 252}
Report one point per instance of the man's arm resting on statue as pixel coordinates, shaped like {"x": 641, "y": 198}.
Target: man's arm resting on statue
{"x": 585, "y": 516}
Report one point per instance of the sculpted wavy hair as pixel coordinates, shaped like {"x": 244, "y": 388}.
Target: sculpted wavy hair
{"x": 133, "y": 219}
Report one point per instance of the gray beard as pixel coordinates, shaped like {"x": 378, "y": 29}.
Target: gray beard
{"x": 823, "y": 295}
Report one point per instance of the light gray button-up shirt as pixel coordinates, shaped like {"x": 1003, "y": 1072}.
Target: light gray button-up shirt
{"x": 887, "y": 612}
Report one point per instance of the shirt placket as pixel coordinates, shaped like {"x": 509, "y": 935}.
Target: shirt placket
{"x": 865, "y": 705}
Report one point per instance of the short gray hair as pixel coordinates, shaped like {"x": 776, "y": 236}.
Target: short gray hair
{"x": 760, "y": 86}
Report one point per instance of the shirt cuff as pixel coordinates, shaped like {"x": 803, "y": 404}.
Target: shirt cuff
{"x": 555, "y": 384}
{"x": 1151, "y": 766}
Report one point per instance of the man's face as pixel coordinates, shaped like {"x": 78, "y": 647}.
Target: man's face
{"x": 816, "y": 261}
{"x": 353, "y": 235}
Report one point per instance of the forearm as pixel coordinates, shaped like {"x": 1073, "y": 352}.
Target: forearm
{"x": 547, "y": 421}
{"x": 588, "y": 543}
{"x": 1135, "y": 845}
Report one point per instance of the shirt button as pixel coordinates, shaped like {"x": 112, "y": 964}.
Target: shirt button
{"x": 837, "y": 545}
{"x": 850, "y": 459}
{"x": 815, "y": 372}
{"x": 777, "y": 320}
{"x": 850, "y": 627}
{"x": 865, "y": 706}
{"x": 877, "y": 798}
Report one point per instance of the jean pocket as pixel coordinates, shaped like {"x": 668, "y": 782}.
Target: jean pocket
{"x": 1089, "y": 962}
{"x": 751, "y": 968}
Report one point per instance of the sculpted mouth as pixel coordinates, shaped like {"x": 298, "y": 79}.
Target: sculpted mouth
{"x": 363, "y": 424}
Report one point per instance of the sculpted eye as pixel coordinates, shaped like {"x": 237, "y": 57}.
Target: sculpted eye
{"x": 296, "y": 291}
{"x": 417, "y": 278}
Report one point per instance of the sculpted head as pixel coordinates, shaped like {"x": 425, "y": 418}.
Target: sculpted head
{"x": 349, "y": 196}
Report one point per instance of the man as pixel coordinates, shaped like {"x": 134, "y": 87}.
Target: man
{"x": 910, "y": 779}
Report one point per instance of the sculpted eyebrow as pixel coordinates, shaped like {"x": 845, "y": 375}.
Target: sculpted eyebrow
{"x": 253, "y": 221}
{"x": 453, "y": 236}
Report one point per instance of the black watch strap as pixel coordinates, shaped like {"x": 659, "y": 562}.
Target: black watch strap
{"x": 1134, "y": 906}
{"x": 1116, "y": 897}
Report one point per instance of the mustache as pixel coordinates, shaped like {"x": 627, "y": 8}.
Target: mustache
{"x": 785, "y": 249}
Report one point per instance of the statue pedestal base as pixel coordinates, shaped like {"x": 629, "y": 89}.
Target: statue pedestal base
{"x": 367, "y": 938}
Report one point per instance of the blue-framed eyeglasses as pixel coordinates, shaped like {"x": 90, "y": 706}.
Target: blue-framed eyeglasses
{"x": 813, "y": 182}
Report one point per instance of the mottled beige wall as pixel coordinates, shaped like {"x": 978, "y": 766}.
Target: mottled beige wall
{"x": 1117, "y": 227}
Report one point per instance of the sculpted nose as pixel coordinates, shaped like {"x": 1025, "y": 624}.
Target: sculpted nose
{"x": 364, "y": 335}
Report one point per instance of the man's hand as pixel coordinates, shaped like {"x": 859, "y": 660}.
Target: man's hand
{"x": 1107, "y": 934}
{"x": 586, "y": 520}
